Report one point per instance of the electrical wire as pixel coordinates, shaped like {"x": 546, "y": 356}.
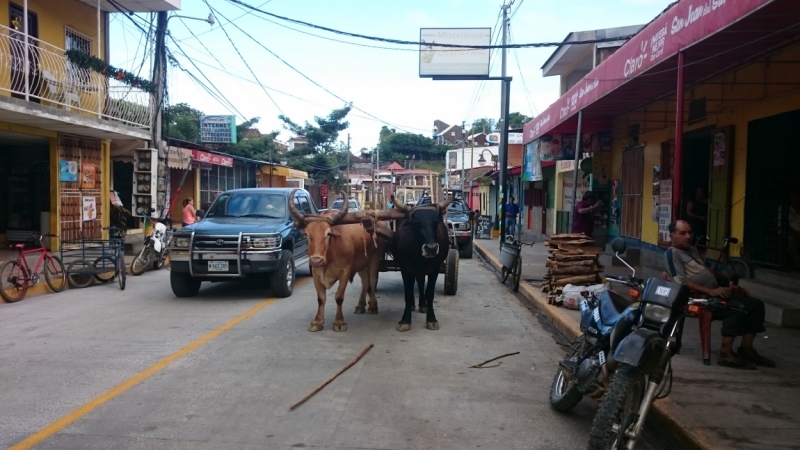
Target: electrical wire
{"x": 417, "y": 43}
{"x": 235, "y": 18}
{"x": 240, "y": 55}
{"x": 528, "y": 97}
{"x": 309, "y": 79}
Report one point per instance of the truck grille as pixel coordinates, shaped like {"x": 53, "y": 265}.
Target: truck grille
{"x": 216, "y": 242}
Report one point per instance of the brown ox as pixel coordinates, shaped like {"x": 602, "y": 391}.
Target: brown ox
{"x": 337, "y": 253}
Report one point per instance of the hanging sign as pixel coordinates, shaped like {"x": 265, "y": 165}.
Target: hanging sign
{"x": 89, "y": 209}
{"x": 665, "y": 214}
{"x": 88, "y": 175}
{"x": 210, "y": 158}
{"x": 68, "y": 171}
{"x": 218, "y": 129}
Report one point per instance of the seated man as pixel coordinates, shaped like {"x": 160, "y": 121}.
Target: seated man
{"x": 685, "y": 266}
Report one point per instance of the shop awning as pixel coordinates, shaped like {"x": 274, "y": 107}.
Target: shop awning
{"x": 282, "y": 171}
{"x": 179, "y": 158}
{"x": 716, "y": 36}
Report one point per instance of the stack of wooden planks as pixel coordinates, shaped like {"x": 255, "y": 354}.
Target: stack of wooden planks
{"x": 573, "y": 260}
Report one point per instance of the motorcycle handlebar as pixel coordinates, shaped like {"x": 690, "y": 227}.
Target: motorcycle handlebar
{"x": 616, "y": 278}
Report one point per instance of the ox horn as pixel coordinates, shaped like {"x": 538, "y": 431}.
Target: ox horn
{"x": 345, "y": 206}
{"x": 398, "y": 206}
{"x": 299, "y": 218}
{"x": 443, "y": 204}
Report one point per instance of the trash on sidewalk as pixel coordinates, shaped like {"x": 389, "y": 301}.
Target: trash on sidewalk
{"x": 572, "y": 295}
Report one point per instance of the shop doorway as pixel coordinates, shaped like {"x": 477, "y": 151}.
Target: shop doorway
{"x": 632, "y": 179}
{"x": 24, "y": 186}
{"x": 773, "y": 171}
{"x": 123, "y": 185}
{"x": 696, "y": 164}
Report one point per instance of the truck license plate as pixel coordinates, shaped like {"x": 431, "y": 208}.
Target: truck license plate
{"x": 218, "y": 266}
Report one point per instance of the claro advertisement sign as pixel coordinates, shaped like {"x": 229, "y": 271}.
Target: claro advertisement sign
{"x": 438, "y": 61}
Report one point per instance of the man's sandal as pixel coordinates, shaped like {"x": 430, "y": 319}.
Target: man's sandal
{"x": 751, "y": 355}
{"x": 734, "y": 362}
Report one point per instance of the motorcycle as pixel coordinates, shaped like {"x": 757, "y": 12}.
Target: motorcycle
{"x": 642, "y": 344}
{"x": 156, "y": 247}
{"x": 584, "y": 371}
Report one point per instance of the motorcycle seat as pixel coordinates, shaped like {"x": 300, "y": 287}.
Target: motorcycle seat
{"x": 612, "y": 305}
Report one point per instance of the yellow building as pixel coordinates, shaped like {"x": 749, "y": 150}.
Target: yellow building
{"x": 58, "y": 121}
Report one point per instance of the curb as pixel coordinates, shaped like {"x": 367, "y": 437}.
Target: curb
{"x": 666, "y": 418}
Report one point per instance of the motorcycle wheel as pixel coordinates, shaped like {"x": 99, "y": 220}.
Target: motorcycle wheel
{"x": 140, "y": 263}
{"x": 565, "y": 395}
{"x": 619, "y": 408}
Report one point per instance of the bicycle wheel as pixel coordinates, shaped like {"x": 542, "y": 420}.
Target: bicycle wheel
{"x": 13, "y": 281}
{"x": 121, "y": 270}
{"x": 54, "y": 274}
{"x": 80, "y": 273}
{"x": 504, "y": 272}
{"x": 737, "y": 267}
{"x": 105, "y": 269}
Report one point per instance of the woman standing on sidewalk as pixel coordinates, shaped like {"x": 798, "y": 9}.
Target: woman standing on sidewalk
{"x": 189, "y": 213}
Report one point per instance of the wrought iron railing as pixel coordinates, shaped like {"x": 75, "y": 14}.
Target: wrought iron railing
{"x": 46, "y": 76}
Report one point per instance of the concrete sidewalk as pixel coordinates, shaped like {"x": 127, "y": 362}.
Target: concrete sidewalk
{"x": 710, "y": 407}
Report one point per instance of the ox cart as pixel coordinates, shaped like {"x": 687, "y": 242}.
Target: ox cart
{"x": 371, "y": 220}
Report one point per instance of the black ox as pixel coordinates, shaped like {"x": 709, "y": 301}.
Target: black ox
{"x": 420, "y": 247}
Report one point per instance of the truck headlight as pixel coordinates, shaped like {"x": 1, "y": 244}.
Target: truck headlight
{"x": 181, "y": 242}
{"x": 656, "y": 313}
{"x": 261, "y": 242}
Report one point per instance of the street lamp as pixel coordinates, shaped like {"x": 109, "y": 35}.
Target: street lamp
{"x": 482, "y": 160}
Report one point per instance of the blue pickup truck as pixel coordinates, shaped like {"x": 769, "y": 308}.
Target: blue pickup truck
{"x": 245, "y": 232}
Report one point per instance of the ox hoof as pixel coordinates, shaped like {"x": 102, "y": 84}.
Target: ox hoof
{"x": 403, "y": 326}
{"x": 432, "y": 325}
{"x": 340, "y": 327}
{"x": 361, "y": 310}
{"x": 315, "y": 327}
{"x": 423, "y": 309}
{"x": 373, "y": 310}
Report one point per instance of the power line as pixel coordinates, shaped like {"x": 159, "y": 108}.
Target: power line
{"x": 240, "y": 55}
{"x": 235, "y": 18}
{"x": 309, "y": 79}
{"x": 430, "y": 44}
{"x": 522, "y": 77}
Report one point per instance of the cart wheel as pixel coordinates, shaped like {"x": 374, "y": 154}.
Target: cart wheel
{"x": 105, "y": 269}
{"x": 517, "y": 274}
{"x": 80, "y": 273}
{"x": 451, "y": 273}
{"x": 504, "y": 272}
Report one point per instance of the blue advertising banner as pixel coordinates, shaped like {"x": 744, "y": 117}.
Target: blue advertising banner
{"x": 218, "y": 129}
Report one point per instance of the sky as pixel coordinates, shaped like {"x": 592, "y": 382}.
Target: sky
{"x": 383, "y": 83}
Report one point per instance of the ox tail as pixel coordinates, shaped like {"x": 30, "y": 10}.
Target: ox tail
{"x": 352, "y": 276}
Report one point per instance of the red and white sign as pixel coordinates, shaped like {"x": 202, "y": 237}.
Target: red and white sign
{"x": 685, "y": 24}
{"x": 209, "y": 158}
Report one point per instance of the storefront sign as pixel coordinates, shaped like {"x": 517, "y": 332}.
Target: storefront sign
{"x": 513, "y": 138}
{"x": 665, "y": 216}
{"x": 68, "y": 172}
{"x": 209, "y": 158}
{"x": 218, "y": 129}
{"x": 533, "y": 167}
{"x": 89, "y": 209}
{"x": 88, "y": 176}
{"x": 565, "y": 166}
{"x": 583, "y": 187}
{"x": 684, "y": 24}
{"x": 454, "y": 61}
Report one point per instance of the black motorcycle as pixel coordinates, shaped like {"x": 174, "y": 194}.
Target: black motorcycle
{"x": 642, "y": 343}
{"x": 584, "y": 372}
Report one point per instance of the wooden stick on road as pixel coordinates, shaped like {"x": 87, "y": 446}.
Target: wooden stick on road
{"x": 480, "y": 366}
{"x": 319, "y": 388}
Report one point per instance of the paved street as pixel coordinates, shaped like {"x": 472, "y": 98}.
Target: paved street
{"x": 103, "y": 368}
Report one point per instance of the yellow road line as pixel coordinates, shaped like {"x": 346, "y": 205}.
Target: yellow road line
{"x": 86, "y": 408}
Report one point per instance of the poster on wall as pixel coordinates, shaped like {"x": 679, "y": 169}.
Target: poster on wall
{"x": 665, "y": 214}
{"x": 568, "y": 145}
{"x": 655, "y": 214}
{"x": 615, "y": 216}
{"x": 88, "y": 176}
{"x": 603, "y": 142}
{"x": 89, "y": 209}
{"x": 583, "y": 187}
{"x": 719, "y": 149}
{"x": 533, "y": 167}
{"x": 68, "y": 171}
{"x": 545, "y": 149}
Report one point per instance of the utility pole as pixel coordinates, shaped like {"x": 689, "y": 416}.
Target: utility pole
{"x": 463, "y": 144}
{"x": 503, "y": 150}
{"x": 159, "y": 78}
{"x": 348, "y": 163}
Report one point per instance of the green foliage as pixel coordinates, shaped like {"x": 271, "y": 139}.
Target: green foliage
{"x": 517, "y": 120}
{"x": 181, "y": 121}
{"x": 401, "y": 146}
{"x": 484, "y": 125}
{"x": 87, "y": 61}
{"x": 323, "y": 136}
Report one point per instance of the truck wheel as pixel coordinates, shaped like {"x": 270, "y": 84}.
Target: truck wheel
{"x": 282, "y": 280}
{"x": 451, "y": 273}
{"x": 183, "y": 285}
{"x": 466, "y": 250}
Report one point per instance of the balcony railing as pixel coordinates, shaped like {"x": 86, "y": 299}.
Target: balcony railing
{"x": 51, "y": 79}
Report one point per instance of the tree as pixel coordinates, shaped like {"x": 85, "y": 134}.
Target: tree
{"x": 323, "y": 136}
{"x": 182, "y": 122}
{"x": 517, "y": 120}
{"x": 484, "y": 125}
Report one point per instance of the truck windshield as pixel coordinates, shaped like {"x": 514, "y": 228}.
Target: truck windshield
{"x": 249, "y": 204}
{"x": 457, "y": 206}
{"x": 352, "y": 204}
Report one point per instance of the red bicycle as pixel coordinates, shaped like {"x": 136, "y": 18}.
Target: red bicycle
{"x": 17, "y": 275}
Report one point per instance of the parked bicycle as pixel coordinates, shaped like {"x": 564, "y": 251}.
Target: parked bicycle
{"x": 733, "y": 268}
{"x": 96, "y": 259}
{"x": 511, "y": 261}
{"x": 16, "y": 275}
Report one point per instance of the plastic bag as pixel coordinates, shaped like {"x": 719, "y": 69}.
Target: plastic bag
{"x": 571, "y": 295}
